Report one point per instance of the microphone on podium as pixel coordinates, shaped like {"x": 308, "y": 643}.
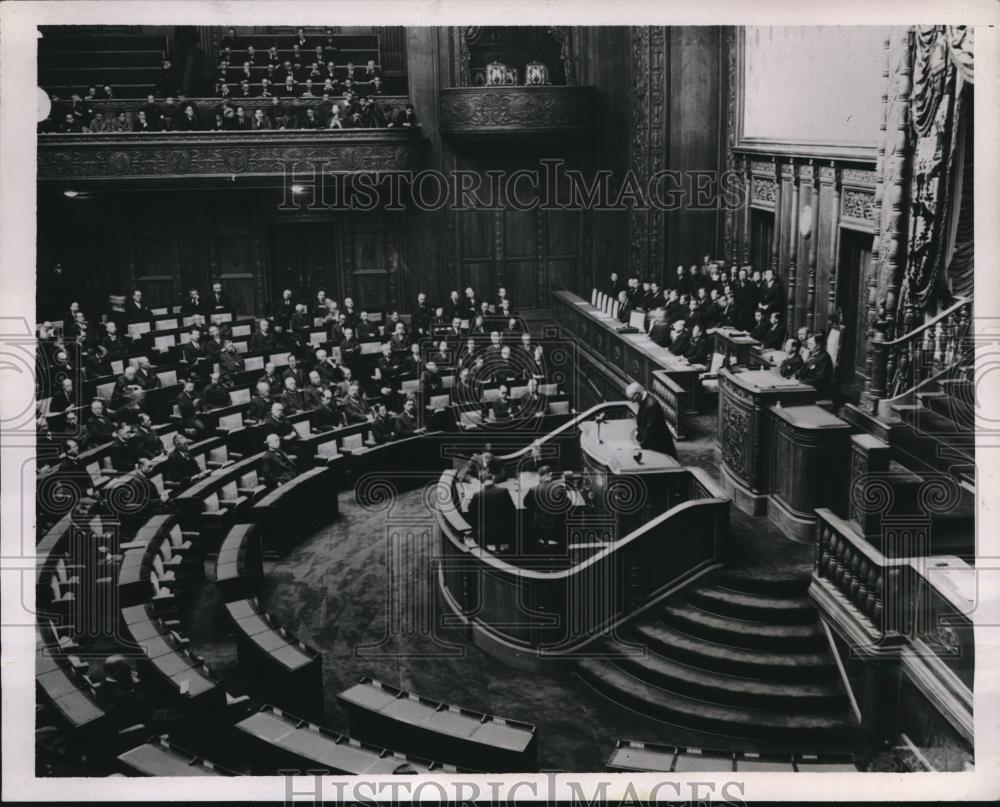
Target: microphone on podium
{"x": 599, "y": 420}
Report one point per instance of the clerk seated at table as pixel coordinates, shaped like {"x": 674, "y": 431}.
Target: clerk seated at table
{"x": 793, "y": 362}
{"x": 546, "y": 505}
{"x": 486, "y": 462}
{"x": 651, "y": 431}
{"x": 760, "y": 326}
{"x": 774, "y": 339}
{"x": 492, "y": 515}
{"x": 818, "y": 369}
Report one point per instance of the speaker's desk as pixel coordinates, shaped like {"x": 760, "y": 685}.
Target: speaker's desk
{"x": 616, "y": 451}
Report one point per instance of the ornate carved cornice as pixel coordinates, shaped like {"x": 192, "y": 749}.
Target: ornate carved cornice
{"x": 502, "y": 112}
{"x": 218, "y": 155}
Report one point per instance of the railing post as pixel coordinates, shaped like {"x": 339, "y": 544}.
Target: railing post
{"x": 870, "y": 492}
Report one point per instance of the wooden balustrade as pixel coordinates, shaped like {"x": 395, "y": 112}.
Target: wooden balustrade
{"x": 900, "y": 366}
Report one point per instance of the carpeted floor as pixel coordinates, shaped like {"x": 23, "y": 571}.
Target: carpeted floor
{"x": 361, "y": 592}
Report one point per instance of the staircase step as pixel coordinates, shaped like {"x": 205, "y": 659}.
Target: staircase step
{"x": 726, "y": 602}
{"x": 743, "y": 633}
{"x": 626, "y": 690}
{"x": 766, "y": 582}
{"x": 726, "y": 690}
{"x": 669, "y": 642}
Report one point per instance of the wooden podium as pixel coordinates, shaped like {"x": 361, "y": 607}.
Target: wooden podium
{"x": 615, "y": 450}
{"x": 745, "y": 399}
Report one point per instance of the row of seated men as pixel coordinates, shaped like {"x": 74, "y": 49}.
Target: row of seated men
{"x": 710, "y": 291}
{"x": 336, "y": 108}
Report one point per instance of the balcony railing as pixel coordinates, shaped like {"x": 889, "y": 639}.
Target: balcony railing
{"x": 262, "y": 155}
{"x": 522, "y": 112}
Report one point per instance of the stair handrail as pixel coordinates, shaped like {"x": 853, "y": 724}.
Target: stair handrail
{"x": 894, "y": 370}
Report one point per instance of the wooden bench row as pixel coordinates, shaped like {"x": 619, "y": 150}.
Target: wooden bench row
{"x": 384, "y": 715}
{"x": 288, "y": 671}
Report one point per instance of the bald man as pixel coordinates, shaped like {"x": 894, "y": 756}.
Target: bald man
{"x": 652, "y": 433}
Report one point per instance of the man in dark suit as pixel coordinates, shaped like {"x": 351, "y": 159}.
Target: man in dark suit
{"x": 492, "y": 515}
{"x": 145, "y": 441}
{"x": 135, "y": 311}
{"x": 276, "y": 466}
{"x": 214, "y": 395}
{"x": 145, "y": 376}
{"x": 382, "y": 428}
{"x": 64, "y": 398}
{"x": 774, "y": 339}
{"x": 624, "y": 307}
{"x": 260, "y": 403}
{"x": 532, "y": 403}
{"x": 193, "y": 304}
{"x": 121, "y": 453}
{"x": 818, "y": 369}
{"x": 546, "y": 505}
{"x": 659, "y": 331}
{"x": 772, "y": 294}
{"x": 794, "y": 362}
{"x": 679, "y": 338}
{"x": 651, "y": 431}
{"x": 180, "y": 467}
{"x": 503, "y": 406}
{"x": 698, "y": 347}
{"x": 98, "y": 428}
{"x": 326, "y": 416}
{"x": 283, "y": 308}
{"x": 112, "y": 341}
{"x": 217, "y": 301}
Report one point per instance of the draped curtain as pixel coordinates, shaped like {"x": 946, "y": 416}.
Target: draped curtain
{"x": 938, "y": 232}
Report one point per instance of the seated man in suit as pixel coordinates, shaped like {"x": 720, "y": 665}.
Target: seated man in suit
{"x": 145, "y": 375}
{"x": 503, "y": 406}
{"x": 180, "y": 467}
{"x": 486, "y": 462}
{"x": 532, "y": 403}
{"x": 326, "y": 415}
{"x": 492, "y": 515}
{"x": 262, "y": 339}
{"x": 193, "y": 303}
{"x": 64, "y": 398}
{"x": 98, "y": 428}
{"x": 406, "y": 421}
{"x": 145, "y": 440}
{"x": 774, "y": 339}
{"x": 793, "y": 362}
{"x": 698, "y": 347}
{"x": 818, "y": 369}
{"x": 291, "y": 397}
{"x": 760, "y": 326}
{"x": 383, "y": 427}
{"x": 354, "y": 406}
{"x": 680, "y": 337}
{"x": 214, "y": 395}
{"x": 112, "y": 341}
{"x": 659, "y": 329}
{"x": 430, "y": 381}
{"x": 122, "y": 454}
{"x": 277, "y": 423}
{"x": 260, "y": 403}
{"x": 126, "y": 388}
{"x": 651, "y": 431}
{"x": 546, "y": 505}
{"x": 276, "y": 467}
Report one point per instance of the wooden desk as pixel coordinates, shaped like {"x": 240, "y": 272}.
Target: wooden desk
{"x": 617, "y": 453}
{"x": 809, "y": 447}
{"x": 384, "y": 715}
{"x": 736, "y": 346}
{"x": 635, "y": 354}
{"x": 745, "y": 399}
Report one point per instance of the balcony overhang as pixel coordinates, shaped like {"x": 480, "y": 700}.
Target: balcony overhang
{"x": 211, "y": 158}
{"x": 535, "y": 112}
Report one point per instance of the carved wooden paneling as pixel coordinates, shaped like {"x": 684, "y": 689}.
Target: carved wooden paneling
{"x": 182, "y": 156}
{"x": 504, "y": 112}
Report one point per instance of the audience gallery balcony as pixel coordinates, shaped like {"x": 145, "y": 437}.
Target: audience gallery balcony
{"x": 263, "y": 157}
{"x": 526, "y": 112}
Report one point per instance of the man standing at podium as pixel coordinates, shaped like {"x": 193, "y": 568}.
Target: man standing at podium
{"x": 651, "y": 433}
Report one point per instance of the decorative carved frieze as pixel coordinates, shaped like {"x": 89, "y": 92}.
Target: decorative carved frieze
{"x": 520, "y": 111}
{"x": 762, "y": 168}
{"x": 858, "y": 205}
{"x": 256, "y": 154}
{"x": 858, "y": 176}
{"x": 763, "y": 190}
